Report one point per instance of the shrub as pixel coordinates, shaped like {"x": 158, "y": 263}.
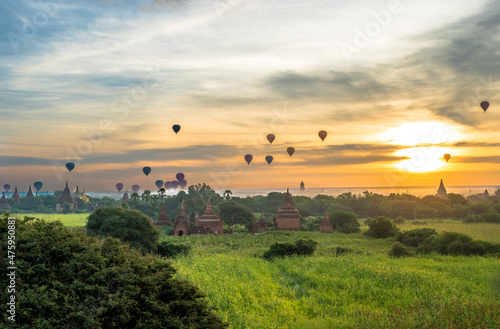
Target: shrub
{"x": 398, "y": 220}
{"x": 130, "y": 226}
{"x": 490, "y": 216}
{"x": 344, "y": 221}
{"x": 70, "y": 280}
{"x": 415, "y": 237}
{"x": 341, "y": 250}
{"x": 381, "y": 227}
{"x": 171, "y": 250}
{"x": 301, "y": 247}
{"x": 399, "y": 250}
{"x": 447, "y": 238}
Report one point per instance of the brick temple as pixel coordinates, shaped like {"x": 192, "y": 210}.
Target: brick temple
{"x": 288, "y": 217}
{"x": 182, "y": 223}
{"x": 325, "y": 225}
{"x": 209, "y": 223}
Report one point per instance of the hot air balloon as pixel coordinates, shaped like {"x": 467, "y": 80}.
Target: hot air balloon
{"x": 6, "y": 187}
{"x": 175, "y": 184}
{"x": 159, "y": 183}
{"x": 168, "y": 185}
{"x": 70, "y": 166}
{"x": 248, "y": 158}
{"x": 146, "y": 171}
{"x": 271, "y": 138}
{"x": 135, "y": 188}
{"x": 38, "y": 185}
{"x": 176, "y": 128}
{"x": 485, "y": 105}
{"x": 180, "y": 176}
{"x": 290, "y": 151}
{"x": 182, "y": 183}
{"x": 269, "y": 159}
{"x": 447, "y": 157}
{"x": 322, "y": 134}
{"x": 119, "y": 186}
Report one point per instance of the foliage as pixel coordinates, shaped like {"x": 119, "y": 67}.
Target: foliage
{"x": 415, "y": 237}
{"x": 399, "y": 250}
{"x": 344, "y": 221}
{"x": 170, "y": 249}
{"x": 301, "y": 248}
{"x": 66, "y": 279}
{"x": 129, "y": 226}
{"x": 381, "y": 227}
{"x": 233, "y": 211}
{"x": 453, "y": 243}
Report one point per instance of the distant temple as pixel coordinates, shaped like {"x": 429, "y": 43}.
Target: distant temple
{"x": 163, "y": 217}
{"x": 125, "y": 197}
{"x": 77, "y": 193}
{"x": 29, "y": 194}
{"x": 288, "y": 217}
{"x": 16, "y": 196}
{"x": 497, "y": 191}
{"x": 261, "y": 224}
{"x": 486, "y": 193}
{"x": 441, "y": 190}
{"x": 3, "y": 203}
{"x": 84, "y": 197}
{"x": 302, "y": 186}
{"x": 325, "y": 225}
{"x": 182, "y": 223}
{"x": 209, "y": 223}
{"x": 66, "y": 198}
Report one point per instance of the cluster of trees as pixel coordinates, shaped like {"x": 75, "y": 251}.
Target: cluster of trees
{"x": 301, "y": 247}
{"x": 70, "y": 280}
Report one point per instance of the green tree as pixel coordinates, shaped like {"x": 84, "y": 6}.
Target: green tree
{"x": 130, "y": 226}
{"x": 381, "y": 227}
{"x": 70, "y": 280}
{"x": 344, "y": 221}
{"x": 241, "y": 214}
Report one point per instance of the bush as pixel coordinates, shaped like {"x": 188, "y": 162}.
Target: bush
{"x": 490, "y": 216}
{"x": 301, "y": 247}
{"x": 344, "y": 221}
{"x": 415, "y": 237}
{"x": 445, "y": 239}
{"x": 399, "y": 250}
{"x": 171, "y": 250}
{"x": 381, "y": 228}
{"x": 70, "y": 280}
{"x": 398, "y": 220}
{"x": 130, "y": 226}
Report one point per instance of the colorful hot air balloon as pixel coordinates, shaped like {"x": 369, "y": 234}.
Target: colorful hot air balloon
{"x": 180, "y": 176}
{"x": 447, "y": 157}
{"x": 485, "y": 105}
{"x": 248, "y": 158}
{"x": 168, "y": 185}
{"x": 146, "y": 171}
{"x": 159, "y": 183}
{"x": 271, "y": 138}
{"x": 38, "y": 185}
{"x": 119, "y": 186}
{"x": 269, "y": 159}
{"x": 135, "y": 188}
{"x": 290, "y": 151}
{"x": 70, "y": 166}
{"x": 183, "y": 183}
{"x": 6, "y": 187}
{"x": 176, "y": 128}
{"x": 322, "y": 134}
{"x": 175, "y": 184}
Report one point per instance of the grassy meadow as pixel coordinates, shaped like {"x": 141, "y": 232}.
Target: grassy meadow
{"x": 70, "y": 220}
{"x": 364, "y": 288}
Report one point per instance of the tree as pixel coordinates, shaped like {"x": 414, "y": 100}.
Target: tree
{"x": 70, "y": 280}
{"x": 130, "y": 226}
{"x": 381, "y": 227}
{"x": 241, "y": 214}
{"x": 344, "y": 221}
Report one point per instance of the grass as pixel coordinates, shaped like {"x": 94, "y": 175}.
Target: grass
{"x": 70, "y": 220}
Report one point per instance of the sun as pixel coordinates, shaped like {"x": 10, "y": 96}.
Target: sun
{"x": 426, "y": 140}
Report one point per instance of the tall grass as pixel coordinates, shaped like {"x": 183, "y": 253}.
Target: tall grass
{"x": 70, "y": 220}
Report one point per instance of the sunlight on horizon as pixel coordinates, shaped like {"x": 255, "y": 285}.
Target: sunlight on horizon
{"x": 418, "y": 133}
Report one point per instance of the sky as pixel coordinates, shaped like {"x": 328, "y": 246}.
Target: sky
{"x": 395, "y": 84}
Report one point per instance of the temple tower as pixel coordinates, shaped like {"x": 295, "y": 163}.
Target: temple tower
{"x": 325, "y": 225}
{"x": 182, "y": 223}
{"x": 288, "y": 217}
{"x": 163, "y": 217}
{"x": 441, "y": 190}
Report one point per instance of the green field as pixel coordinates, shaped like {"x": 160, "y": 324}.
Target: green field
{"x": 364, "y": 288}
{"x": 67, "y": 219}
